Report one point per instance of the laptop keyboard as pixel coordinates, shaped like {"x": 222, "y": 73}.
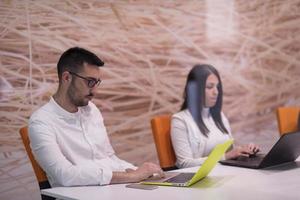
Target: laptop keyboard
{"x": 180, "y": 178}
{"x": 253, "y": 159}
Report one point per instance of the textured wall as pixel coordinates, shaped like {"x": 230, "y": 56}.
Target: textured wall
{"x": 148, "y": 48}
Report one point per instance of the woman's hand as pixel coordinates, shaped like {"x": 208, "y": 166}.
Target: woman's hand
{"x": 245, "y": 150}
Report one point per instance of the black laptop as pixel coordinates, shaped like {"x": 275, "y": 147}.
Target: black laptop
{"x": 286, "y": 149}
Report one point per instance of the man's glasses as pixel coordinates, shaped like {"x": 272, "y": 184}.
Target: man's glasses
{"x": 91, "y": 82}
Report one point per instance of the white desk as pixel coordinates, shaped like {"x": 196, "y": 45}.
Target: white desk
{"x": 224, "y": 182}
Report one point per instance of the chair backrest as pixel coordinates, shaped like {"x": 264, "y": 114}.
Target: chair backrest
{"x": 39, "y": 172}
{"x": 287, "y": 118}
{"x": 161, "y": 132}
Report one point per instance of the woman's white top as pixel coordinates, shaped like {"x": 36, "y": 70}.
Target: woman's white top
{"x": 190, "y": 145}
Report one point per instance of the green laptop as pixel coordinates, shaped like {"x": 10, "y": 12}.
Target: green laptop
{"x": 188, "y": 179}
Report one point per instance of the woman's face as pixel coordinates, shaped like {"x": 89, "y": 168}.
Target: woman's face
{"x": 211, "y": 91}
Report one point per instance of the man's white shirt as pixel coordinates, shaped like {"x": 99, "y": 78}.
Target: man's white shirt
{"x": 73, "y": 148}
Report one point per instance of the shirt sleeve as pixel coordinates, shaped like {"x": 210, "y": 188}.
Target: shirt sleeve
{"x": 181, "y": 145}
{"x": 122, "y": 163}
{"x": 57, "y": 167}
{"x": 110, "y": 151}
{"x": 227, "y": 126}
{"x": 119, "y": 162}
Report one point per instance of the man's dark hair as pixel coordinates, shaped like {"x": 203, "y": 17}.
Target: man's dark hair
{"x": 74, "y": 58}
{"x": 198, "y": 75}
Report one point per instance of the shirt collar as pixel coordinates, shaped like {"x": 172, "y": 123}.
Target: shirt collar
{"x": 66, "y": 114}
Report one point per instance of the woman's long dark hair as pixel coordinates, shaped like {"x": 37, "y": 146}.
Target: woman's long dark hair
{"x": 194, "y": 97}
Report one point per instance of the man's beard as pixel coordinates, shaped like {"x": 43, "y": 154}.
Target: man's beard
{"x": 77, "y": 101}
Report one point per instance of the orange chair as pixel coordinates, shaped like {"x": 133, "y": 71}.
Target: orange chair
{"x": 161, "y": 133}
{"x": 39, "y": 172}
{"x": 287, "y": 118}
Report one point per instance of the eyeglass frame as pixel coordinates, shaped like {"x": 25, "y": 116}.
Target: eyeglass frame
{"x": 89, "y": 80}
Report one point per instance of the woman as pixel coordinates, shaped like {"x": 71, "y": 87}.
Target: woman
{"x": 201, "y": 125}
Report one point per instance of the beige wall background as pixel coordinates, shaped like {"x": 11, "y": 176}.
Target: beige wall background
{"x": 148, "y": 48}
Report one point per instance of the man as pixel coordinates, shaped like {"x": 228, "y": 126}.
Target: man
{"x": 67, "y": 135}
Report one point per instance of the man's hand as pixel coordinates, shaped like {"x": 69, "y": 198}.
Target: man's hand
{"x": 143, "y": 172}
{"x": 148, "y": 169}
